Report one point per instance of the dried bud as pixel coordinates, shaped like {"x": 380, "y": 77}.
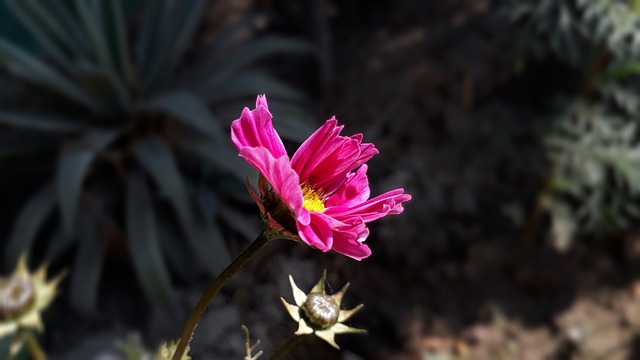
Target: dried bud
{"x": 319, "y": 313}
{"x": 320, "y": 310}
{"x": 23, "y": 296}
{"x": 17, "y": 296}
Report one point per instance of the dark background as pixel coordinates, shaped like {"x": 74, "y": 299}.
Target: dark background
{"x": 495, "y": 257}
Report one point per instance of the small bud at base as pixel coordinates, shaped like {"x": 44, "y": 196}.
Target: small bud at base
{"x": 320, "y": 310}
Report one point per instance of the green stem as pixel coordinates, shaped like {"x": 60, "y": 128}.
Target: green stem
{"x": 212, "y": 291}
{"x": 33, "y": 346}
{"x": 284, "y": 350}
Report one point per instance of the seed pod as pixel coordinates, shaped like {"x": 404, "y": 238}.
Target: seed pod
{"x": 23, "y": 297}
{"x": 17, "y": 295}
{"x": 319, "y": 313}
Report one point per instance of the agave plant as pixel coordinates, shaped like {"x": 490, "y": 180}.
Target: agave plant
{"x": 132, "y": 126}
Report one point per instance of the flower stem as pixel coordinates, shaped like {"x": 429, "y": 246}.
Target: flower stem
{"x": 33, "y": 346}
{"x": 284, "y": 350}
{"x": 212, "y": 291}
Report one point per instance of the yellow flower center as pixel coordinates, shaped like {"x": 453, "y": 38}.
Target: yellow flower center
{"x": 313, "y": 200}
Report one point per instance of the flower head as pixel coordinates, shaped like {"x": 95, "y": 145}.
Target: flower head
{"x": 319, "y": 313}
{"x": 321, "y": 194}
{"x": 23, "y": 296}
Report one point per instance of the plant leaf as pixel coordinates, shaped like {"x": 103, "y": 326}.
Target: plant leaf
{"x": 247, "y": 83}
{"x": 150, "y": 42}
{"x": 87, "y": 266}
{"x": 44, "y": 27}
{"x": 201, "y": 68}
{"x": 621, "y": 71}
{"x": 179, "y": 29}
{"x": 177, "y": 254}
{"x": 252, "y": 51}
{"x": 92, "y": 17}
{"x": 209, "y": 233}
{"x": 30, "y": 220}
{"x": 42, "y": 123}
{"x": 221, "y": 155}
{"x": 71, "y": 23}
{"x": 58, "y": 244}
{"x": 192, "y": 111}
{"x": 143, "y": 242}
{"x": 155, "y": 157}
{"x": 30, "y": 68}
{"x": 247, "y": 226}
{"x": 117, "y": 38}
{"x": 230, "y": 34}
{"x": 73, "y": 164}
{"x": 108, "y": 90}
{"x": 294, "y": 122}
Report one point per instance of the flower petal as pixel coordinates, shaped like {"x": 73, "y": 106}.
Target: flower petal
{"x": 367, "y": 151}
{"x": 280, "y": 175}
{"x": 349, "y": 240}
{"x": 255, "y": 129}
{"x": 389, "y": 203}
{"x": 354, "y": 191}
{"x": 326, "y": 158}
{"x": 318, "y": 233}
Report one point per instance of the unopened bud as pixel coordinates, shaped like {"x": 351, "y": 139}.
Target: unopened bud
{"x": 321, "y": 310}
{"x": 17, "y": 296}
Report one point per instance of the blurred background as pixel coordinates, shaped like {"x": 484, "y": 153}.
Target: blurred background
{"x": 514, "y": 125}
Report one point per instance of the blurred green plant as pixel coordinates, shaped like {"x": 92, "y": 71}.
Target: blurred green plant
{"x": 593, "y": 148}
{"x": 133, "y": 132}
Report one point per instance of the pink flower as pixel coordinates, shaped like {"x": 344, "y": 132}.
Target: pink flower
{"x": 324, "y": 186}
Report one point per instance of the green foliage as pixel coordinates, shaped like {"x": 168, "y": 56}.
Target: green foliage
{"x": 572, "y": 29}
{"x": 594, "y": 145}
{"x": 596, "y": 162}
{"x": 134, "y": 134}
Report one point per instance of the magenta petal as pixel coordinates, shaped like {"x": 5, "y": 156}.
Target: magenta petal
{"x": 255, "y": 129}
{"x": 349, "y": 241}
{"x": 280, "y": 175}
{"x": 314, "y": 149}
{"x": 330, "y": 173}
{"x": 354, "y": 191}
{"x": 367, "y": 151}
{"x": 326, "y": 158}
{"x": 318, "y": 233}
{"x": 352, "y": 249}
{"x": 389, "y": 203}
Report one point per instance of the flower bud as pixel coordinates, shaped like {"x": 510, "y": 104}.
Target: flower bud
{"x": 23, "y": 297}
{"x": 319, "y": 313}
{"x": 17, "y": 295}
{"x": 320, "y": 310}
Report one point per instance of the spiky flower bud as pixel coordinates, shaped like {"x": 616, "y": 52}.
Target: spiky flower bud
{"x": 319, "y": 313}
{"x": 320, "y": 310}
{"x": 23, "y": 296}
{"x": 17, "y": 295}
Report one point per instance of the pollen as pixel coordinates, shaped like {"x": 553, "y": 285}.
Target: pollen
{"x": 313, "y": 199}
